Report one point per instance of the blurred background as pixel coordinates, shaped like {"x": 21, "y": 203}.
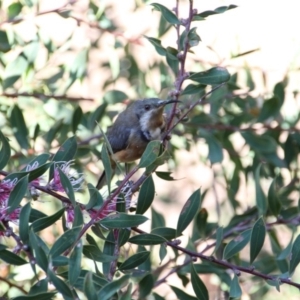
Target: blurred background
{"x": 93, "y": 55}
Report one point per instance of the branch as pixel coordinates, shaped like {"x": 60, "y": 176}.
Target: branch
{"x": 55, "y": 10}
{"x": 236, "y": 269}
{"x": 44, "y": 96}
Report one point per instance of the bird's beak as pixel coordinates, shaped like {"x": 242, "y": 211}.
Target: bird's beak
{"x": 165, "y": 102}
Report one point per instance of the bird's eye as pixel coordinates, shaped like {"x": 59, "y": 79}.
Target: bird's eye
{"x": 147, "y": 106}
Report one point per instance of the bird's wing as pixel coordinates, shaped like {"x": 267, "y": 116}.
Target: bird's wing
{"x": 118, "y": 139}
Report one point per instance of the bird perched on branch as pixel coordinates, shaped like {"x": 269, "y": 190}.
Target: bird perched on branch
{"x": 141, "y": 122}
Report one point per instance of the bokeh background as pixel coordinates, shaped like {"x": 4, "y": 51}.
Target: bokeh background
{"x": 260, "y": 38}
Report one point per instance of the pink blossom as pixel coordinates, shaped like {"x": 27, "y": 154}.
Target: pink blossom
{"x": 55, "y": 183}
{"x": 6, "y": 186}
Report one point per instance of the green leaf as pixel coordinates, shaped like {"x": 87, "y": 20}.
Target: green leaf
{"x": 78, "y": 217}
{"x": 219, "y": 238}
{"x": 192, "y": 89}
{"x": 145, "y": 286}
{"x": 11, "y": 258}
{"x": 76, "y": 119}
{"x": 172, "y": 60}
{"x": 111, "y": 288}
{"x": 260, "y": 143}
{"x": 124, "y": 234}
{"x": 166, "y": 13}
{"x": 65, "y": 241}
{"x": 36, "y": 173}
{"x": 67, "y": 150}
{"x": 146, "y": 196}
{"x": 13, "y": 71}
{"x": 4, "y": 43}
{"x": 157, "y": 45}
{"x": 89, "y": 287}
{"x": 235, "y": 289}
{"x": 134, "y": 260}
{"x": 17, "y": 194}
{"x": 215, "y": 151}
{"x": 165, "y": 175}
{"x": 24, "y": 221}
{"x": 198, "y": 285}
{"x": 38, "y": 296}
{"x": 77, "y": 68}
{"x": 46, "y": 221}
{"x": 122, "y": 220}
{"x": 295, "y": 255}
{"x": 181, "y": 295}
{"x": 157, "y": 219}
{"x": 40, "y": 254}
{"x": 114, "y": 96}
{"x": 65, "y": 153}
{"x": 150, "y": 154}
{"x": 75, "y": 263}
{"x": 19, "y": 127}
{"x": 165, "y": 232}
{"x": 237, "y": 244}
{"x": 4, "y": 152}
{"x": 188, "y": 211}
{"x": 14, "y": 10}
{"x": 270, "y": 109}
{"x": 60, "y": 285}
{"x": 257, "y": 239}
{"x": 261, "y": 200}
{"x": 147, "y": 239}
{"x": 208, "y": 13}
{"x": 107, "y": 166}
{"x": 94, "y": 253}
{"x": 273, "y": 199}
{"x": 65, "y": 181}
{"x": 212, "y": 76}
{"x": 193, "y": 37}
{"x": 96, "y": 116}
{"x": 96, "y": 199}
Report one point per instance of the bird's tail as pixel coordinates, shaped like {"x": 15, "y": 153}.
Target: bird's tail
{"x": 102, "y": 180}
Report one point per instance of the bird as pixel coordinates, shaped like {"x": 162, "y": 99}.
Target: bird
{"x": 141, "y": 122}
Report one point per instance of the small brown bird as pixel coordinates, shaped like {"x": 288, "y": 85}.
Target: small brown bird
{"x": 141, "y": 122}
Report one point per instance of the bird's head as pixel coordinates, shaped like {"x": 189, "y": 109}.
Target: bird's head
{"x": 150, "y": 115}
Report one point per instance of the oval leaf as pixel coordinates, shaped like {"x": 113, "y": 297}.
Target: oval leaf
{"x": 47, "y": 221}
{"x": 65, "y": 181}
{"x": 237, "y": 244}
{"x": 150, "y": 154}
{"x": 111, "y": 288}
{"x": 135, "y": 260}
{"x": 166, "y": 13}
{"x": 198, "y": 285}
{"x": 261, "y": 200}
{"x": 64, "y": 242}
{"x": 146, "y": 196}
{"x": 147, "y": 239}
{"x": 60, "y": 285}
{"x": 273, "y": 199}
{"x": 89, "y": 287}
{"x": 257, "y": 239}
{"x": 24, "y": 220}
{"x": 212, "y": 76}
{"x": 75, "y": 263}
{"x": 235, "y": 289}
{"x": 122, "y": 220}
{"x": 5, "y": 150}
{"x": 295, "y": 255}
{"x": 188, "y": 212}
{"x": 11, "y": 258}
{"x": 17, "y": 194}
